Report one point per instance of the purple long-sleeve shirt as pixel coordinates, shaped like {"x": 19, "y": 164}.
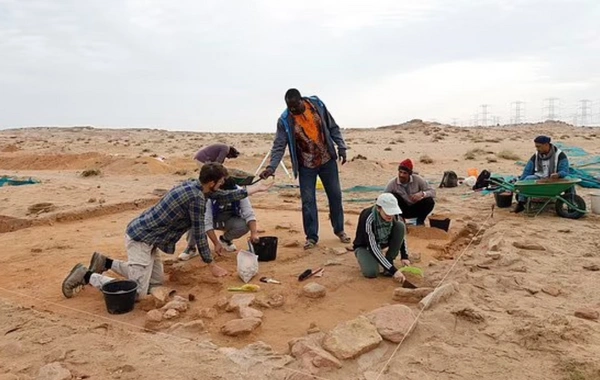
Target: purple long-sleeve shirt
{"x": 212, "y": 153}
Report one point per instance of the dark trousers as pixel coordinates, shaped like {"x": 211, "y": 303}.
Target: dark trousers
{"x": 418, "y": 210}
{"x": 329, "y": 175}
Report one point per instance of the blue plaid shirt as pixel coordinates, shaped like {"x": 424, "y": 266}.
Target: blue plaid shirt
{"x": 180, "y": 210}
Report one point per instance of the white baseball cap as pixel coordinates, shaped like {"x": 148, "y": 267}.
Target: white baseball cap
{"x": 389, "y": 204}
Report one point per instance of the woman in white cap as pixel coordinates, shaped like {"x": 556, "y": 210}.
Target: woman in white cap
{"x": 380, "y": 227}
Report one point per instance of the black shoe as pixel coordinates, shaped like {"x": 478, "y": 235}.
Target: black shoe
{"x": 520, "y": 207}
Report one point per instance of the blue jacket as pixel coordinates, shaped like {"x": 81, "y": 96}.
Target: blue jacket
{"x": 562, "y": 165}
{"x": 285, "y": 135}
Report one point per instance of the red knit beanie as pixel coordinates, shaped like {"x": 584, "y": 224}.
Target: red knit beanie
{"x": 406, "y": 165}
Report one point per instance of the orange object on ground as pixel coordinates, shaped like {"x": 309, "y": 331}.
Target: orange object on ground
{"x": 473, "y": 173}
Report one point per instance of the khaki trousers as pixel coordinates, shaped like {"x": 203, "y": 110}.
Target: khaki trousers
{"x": 143, "y": 266}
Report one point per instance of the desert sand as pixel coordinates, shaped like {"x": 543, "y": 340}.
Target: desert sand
{"x": 520, "y": 279}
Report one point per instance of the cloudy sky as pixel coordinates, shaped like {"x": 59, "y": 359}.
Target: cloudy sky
{"x": 224, "y": 65}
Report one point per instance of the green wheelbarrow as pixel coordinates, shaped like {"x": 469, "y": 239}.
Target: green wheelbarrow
{"x": 566, "y": 202}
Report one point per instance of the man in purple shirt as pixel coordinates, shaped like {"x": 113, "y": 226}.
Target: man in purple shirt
{"x": 215, "y": 153}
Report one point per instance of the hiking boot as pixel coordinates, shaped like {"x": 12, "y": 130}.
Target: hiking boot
{"x": 188, "y": 254}
{"x": 75, "y": 281}
{"x": 520, "y": 207}
{"x": 98, "y": 263}
{"x": 227, "y": 245}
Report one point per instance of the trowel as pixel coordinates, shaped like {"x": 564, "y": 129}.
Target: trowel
{"x": 409, "y": 285}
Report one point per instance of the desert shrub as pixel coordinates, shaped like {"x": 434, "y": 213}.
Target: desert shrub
{"x": 91, "y": 172}
{"x": 474, "y": 153}
{"x": 425, "y": 159}
{"x": 508, "y": 155}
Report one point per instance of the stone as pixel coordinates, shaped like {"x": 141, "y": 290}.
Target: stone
{"x": 56, "y": 355}
{"x": 178, "y": 305}
{"x": 352, "y": 338}
{"x": 338, "y": 250}
{"x": 393, "y": 322}
{"x": 261, "y": 301}
{"x": 238, "y": 327}
{"x": 593, "y": 267}
{"x": 249, "y": 312}
{"x": 291, "y": 244}
{"x": 551, "y": 290}
{"x": 8, "y": 376}
{"x": 276, "y": 300}
{"x": 239, "y": 300}
{"x": 284, "y": 226}
{"x": 154, "y": 316}
{"x": 170, "y": 314}
{"x": 149, "y": 302}
{"x": 410, "y": 295}
{"x": 11, "y": 348}
{"x": 492, "y": 255}
{"x": 259, "y": 359}
{"x": 162, "y": 293}
{"x": 414, "y": 257}
{"x": 314, "y": 290}
{"x": 586, "y": 313}
{"x": 532, "y": 289}
{"x": 53, "y": 371}
{"x": 469, "y": 314}
{"x": 222, "y": 303}
{"x": 509, "y": 259}
{"x": 312, "y": 354}
{"x": 332, "y": 262}
{"x": 528, "y": 246}
{"x": 438, "y": 295}
{"x": 190, "y": 330}
{"x": 300, "y": 375}
{"x": 207, "y": 313}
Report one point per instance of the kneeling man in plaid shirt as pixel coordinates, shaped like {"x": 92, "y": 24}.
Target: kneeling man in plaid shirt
{"x": 160, "y": 227}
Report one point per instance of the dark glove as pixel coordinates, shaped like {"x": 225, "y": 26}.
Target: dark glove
{"x": 342, "y": 155}
{"x": 268, "y": 172}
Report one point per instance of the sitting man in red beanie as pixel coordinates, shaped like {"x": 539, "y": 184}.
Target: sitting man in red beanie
{"x": 415, "y": 196}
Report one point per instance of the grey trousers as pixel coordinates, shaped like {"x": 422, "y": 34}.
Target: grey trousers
{"x": 143, "y": 266}
{"x": 234, "y": 227}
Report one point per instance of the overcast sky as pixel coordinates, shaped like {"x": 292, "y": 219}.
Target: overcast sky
{"x": 224, "y": 65}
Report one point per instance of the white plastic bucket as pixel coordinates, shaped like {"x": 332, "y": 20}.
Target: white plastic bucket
{"x": 596, "y": 203}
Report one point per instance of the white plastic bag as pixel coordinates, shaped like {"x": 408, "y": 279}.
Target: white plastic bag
{"x": 247, "y": 265}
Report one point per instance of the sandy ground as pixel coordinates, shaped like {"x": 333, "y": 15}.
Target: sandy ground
{"x": 524, "y": 298}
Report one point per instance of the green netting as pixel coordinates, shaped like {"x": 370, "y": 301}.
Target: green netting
{"x": 11, "y": 181}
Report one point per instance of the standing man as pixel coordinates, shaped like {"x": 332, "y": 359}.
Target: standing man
{"x": 415, "y": 196}
{"x": 235, "y": 219}
{"x": 310, "y": 132}
{"x": 547, "y": 162}
{"x": 215, "y": 153}
{"x": 160, "y": 227}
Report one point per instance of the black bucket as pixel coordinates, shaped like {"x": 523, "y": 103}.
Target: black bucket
{"x": 442, "y": 224}
{"x": 503, "y": 200}
{"x": 119, "y": 296}
{"x": 266, "y": 248}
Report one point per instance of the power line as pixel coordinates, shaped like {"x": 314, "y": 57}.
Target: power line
{"x": 484, "y": 114}
{"x": 550, "y": 108}
{"x": 586, "y": 112}
{"x": 517, "y": 112}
